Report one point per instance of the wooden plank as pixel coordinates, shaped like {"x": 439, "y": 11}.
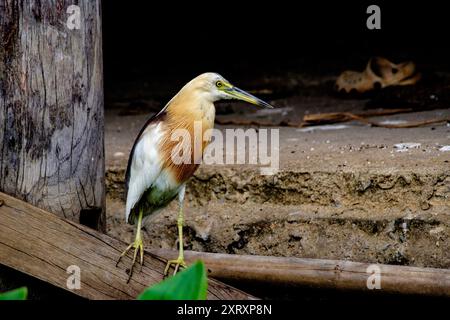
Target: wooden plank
{"x": 43, "y": 245}
{"x": 320, "y": 273}
{"x": 51, "y": 107}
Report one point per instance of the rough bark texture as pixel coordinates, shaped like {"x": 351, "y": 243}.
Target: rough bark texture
{"x": 51, "y": 108}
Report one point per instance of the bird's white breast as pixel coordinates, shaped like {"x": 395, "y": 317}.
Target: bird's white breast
{"x": 146, "y": 168}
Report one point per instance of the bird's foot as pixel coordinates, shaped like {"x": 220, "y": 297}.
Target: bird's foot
{"x": 177, "y": 264}
{"x": 138, "y": 246}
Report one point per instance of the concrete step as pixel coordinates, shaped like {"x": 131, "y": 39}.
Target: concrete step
{"x": 399, "y": 218}
{"x": 392, "y": 236}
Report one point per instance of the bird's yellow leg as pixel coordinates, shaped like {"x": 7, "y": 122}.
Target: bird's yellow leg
{"x": 179, "y": 262}
{"x": 138, "y": 246}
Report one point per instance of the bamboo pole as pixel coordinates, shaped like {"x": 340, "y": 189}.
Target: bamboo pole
{"x": 321, "y": 273}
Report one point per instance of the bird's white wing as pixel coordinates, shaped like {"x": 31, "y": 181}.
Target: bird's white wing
{"x": 145, "y": 165}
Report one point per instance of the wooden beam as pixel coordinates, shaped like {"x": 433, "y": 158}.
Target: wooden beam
{"x": 43, "y": 245}
{"x": 320, "y": 273}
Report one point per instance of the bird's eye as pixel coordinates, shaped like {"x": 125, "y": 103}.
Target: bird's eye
{"x": 219, "y": 84}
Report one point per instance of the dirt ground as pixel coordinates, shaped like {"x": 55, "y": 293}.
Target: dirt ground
{"x": 343, "y": 192}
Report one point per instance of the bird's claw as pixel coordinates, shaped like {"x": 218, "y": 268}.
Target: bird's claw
{"x": 178, "y": 263}
{"x": 138, "y": 246}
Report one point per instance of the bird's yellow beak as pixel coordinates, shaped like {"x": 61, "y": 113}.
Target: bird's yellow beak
{"x": 240, "y": 94}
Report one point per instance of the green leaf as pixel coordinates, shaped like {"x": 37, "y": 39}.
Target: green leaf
{"x": 17, "y": 294}
{"x": 189, "y": 284}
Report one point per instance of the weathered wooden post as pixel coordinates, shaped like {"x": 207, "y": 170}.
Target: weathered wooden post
{"x": 51, "y": 107}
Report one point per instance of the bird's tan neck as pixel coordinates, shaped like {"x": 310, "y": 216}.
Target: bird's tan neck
{"x": 182, "y": 113}
{"x": 185, "y": 109}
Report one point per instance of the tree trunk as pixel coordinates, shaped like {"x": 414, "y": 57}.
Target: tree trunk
{"x": 51, "y": 107}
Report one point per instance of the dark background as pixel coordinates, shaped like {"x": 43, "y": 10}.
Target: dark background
{"x": 171, "y": 42}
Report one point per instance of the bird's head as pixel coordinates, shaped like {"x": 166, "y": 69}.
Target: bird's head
{"x": 214, "y": 87}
